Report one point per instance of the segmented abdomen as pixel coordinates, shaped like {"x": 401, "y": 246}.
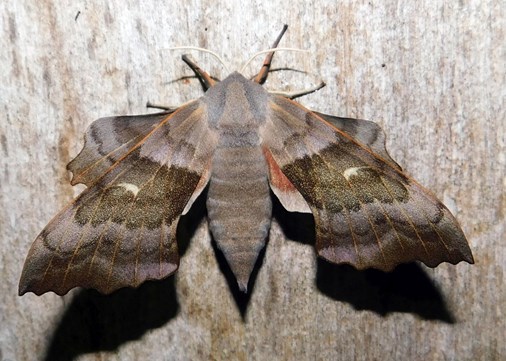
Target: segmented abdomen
{"x": 239, "y": 206}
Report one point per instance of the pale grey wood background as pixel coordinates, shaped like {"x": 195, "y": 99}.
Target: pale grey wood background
{"x": 430, "y": 72}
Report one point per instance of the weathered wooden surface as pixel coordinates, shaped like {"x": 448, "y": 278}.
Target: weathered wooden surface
{"x": 431, "y": 74}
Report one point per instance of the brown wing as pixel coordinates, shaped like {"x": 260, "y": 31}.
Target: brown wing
{"x": 107, "y": 140}
{"x": 367, "y": 212}
{"x": 141, "y": 173}
{"x": 365, "y": 132}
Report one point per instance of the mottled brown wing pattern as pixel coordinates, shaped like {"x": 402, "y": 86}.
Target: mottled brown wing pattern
{"x": 367, "y": 212}
{"x": 107, "y": 140}
{"x": 121, "y": 230}
{"x": 365, "y": 132}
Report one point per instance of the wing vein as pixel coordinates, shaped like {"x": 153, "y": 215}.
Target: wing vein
{"x": 146, "y": 137}
{"x": 434, "y": 227}
{"x": 84, "y": 233}
{"x": 58, "y": 248}
{"x": 406, "y": 215}
{"x": 81, "y": 237}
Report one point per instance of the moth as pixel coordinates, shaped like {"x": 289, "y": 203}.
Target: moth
{"x": 241, "y": 143}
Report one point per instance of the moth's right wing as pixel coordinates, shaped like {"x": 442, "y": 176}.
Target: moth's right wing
{"x": 142, "y": 173}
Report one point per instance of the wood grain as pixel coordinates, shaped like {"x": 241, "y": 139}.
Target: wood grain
{"x": 431, "y": 74}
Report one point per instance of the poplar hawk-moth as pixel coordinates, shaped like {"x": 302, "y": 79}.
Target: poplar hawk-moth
{"x": 240, "y": 142}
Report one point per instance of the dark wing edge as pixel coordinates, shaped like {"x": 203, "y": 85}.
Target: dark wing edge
{"x": 107, "y": 140}
{"x": 121, "y": 231}
{"x": 365, "y": 132}
{"x": 367, "y": 212}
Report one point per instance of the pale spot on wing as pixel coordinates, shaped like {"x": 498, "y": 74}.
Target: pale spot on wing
{"x": 130, "y": 187}
{"x": 352, "y": 171}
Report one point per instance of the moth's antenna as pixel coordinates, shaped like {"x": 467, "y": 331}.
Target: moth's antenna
{"x": 300, "y": 93}
{"x": 204, "y": 51}
{"x": 271, "y": 51}
{"x": 203, "y": 75}
{"x": 264, "y": 70}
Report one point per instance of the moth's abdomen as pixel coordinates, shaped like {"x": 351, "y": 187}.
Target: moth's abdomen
{"x": 239, "y": 207}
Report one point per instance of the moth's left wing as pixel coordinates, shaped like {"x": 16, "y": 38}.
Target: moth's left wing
{"x": 368, "y": 134}
{"x": 142, "y": 173}
{"x": 367, "y": 212}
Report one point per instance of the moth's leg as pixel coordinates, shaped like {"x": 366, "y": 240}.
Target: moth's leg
{"x": 204, "y": 76}
{"x": 261, "y": 77}
{"x": 299, "y": 93}
{"x": 169, "y": 109}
